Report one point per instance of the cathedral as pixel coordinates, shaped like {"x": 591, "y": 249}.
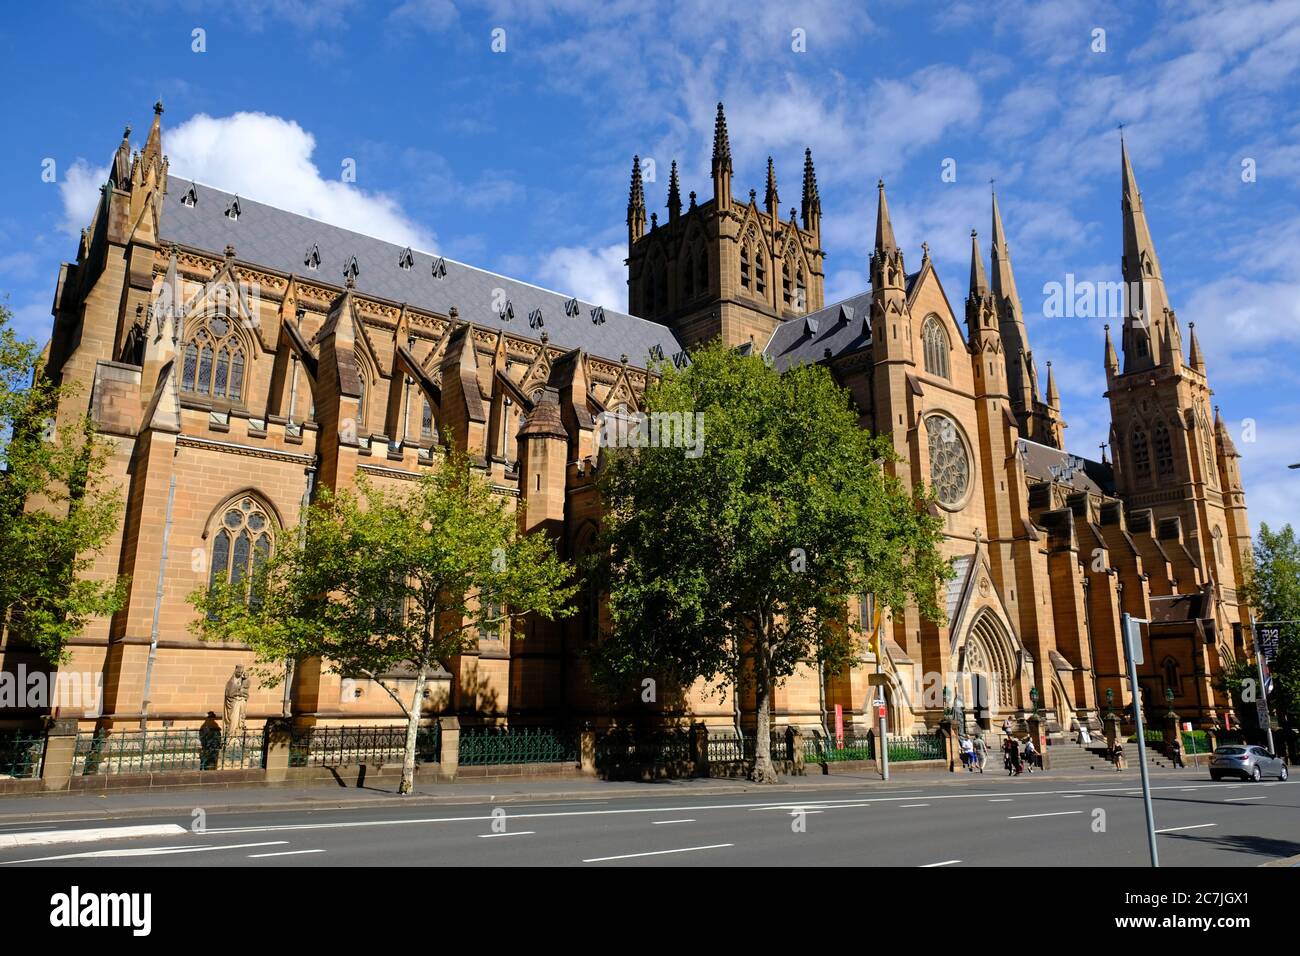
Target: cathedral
{"x": 238, "y": 358}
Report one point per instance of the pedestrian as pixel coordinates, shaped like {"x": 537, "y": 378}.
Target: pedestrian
{"x": 967, "y": 754}
{"x": 1176, "y": 753}
{"x": 981, "y": 752}
{"x": 1031, "y": 754}
{"x": 1119, "y": 756}
{"x": 1011, "y": 751}
{"x": 1007, "y": 726}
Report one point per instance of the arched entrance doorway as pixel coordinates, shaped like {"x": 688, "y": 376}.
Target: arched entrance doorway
{"x": 989, "y": 664}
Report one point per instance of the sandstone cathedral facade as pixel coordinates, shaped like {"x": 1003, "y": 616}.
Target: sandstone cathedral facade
{"x": 238, "y": 358}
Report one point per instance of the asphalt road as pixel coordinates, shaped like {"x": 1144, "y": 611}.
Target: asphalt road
{"x": 987, "y": 821}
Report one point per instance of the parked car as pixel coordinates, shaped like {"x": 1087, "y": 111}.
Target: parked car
{"x": 1247, "y": 762}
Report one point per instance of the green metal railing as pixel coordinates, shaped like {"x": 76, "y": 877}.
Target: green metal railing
{"x": 922, "y": 747}
{"x": 160, "y": 750}
{"x": 20, "y": 754}
{"x": 339, "y": 746}
{"x": 821, "y": 749}
{"x": 490, "y": 746}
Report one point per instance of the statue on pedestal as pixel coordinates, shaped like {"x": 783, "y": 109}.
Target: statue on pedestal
{"x": 236, "y": 702}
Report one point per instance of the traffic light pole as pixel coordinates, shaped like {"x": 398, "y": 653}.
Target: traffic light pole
{"x": 1263, "y": 686}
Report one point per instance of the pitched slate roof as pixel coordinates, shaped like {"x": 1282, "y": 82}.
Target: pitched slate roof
{"x": 282, "y": 241}
{"x": 794, "y": 342}
{"x": 1045, "y": 463}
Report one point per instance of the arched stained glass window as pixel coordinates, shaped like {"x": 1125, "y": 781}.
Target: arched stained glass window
{"x": 702, "y": 270}
{"x": 934, "y": 342}
{"x": 242, "y": 542}
{"x": 214, "y": 362}
{"x": 426, "y": 420}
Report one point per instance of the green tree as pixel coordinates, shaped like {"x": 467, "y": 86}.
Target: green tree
{"x": 1273, "y": 591}
{"x": 379, "y": 579}
{"x": 57, "y": 508}
{"x": 735, "y": 561}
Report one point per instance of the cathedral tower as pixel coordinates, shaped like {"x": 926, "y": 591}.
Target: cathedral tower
{"x": 726, "y": 267}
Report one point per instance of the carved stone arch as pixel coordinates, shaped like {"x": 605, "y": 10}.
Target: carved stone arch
{"x": 989, "y": 653}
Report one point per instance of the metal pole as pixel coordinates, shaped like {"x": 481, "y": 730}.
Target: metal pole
{"x": 880, "y": 693}
{"x": 1263, "y": 689}
{"x": 157, "y": 606}
{"x": 1129, "y": 621}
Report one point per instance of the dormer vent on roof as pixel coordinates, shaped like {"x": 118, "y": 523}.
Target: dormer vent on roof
{"x": 846, "y": 315}
{"x": 232, "y": 211}
{"x": 406, "y": 259}
{"x": 571, "y": 307}
{"x": 507, "y": 311}
{"x": 350, "y": 268}
{"x": 598, "y": 315}
{"x": 190, "y": 197}
{"x": 439, "y": 267}
{"x": 656, "y": 353}
{"x": 681, "y": 359}
{"x": 810, "y": 326}
{"x": 535, "y": 319}
{"x": 312, "y": 259}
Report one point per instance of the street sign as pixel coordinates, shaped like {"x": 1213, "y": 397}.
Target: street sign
{"x": 880, "y": 711}
{"x": 839, "y": 725}
{"x": 877, "y": 680}
{"x": 1133, "y": 641}
{"x": 1261, "y": 712}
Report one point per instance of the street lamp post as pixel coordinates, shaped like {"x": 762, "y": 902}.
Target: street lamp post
{"x": 1133, "y": 656}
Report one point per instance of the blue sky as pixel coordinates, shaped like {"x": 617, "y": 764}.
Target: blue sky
{"x": 518, "y": 160}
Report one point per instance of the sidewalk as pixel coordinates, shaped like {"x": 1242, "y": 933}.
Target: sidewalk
{"x": 81, "y": 806}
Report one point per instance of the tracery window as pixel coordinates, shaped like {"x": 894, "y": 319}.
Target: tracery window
{"x": 241, "y": 544}
{"x": 950, "y": 470}
{"x": 934, "y": 341}
{"x": 1164, "y": 451}
{"x": 787, "y": 285}
{"x": 426, "y": 420}
{"x": 702, "y": 270}
{"x": 1141, "y": 453}
{"x": 214, "y": 361}
{"x": 744, "y": 267}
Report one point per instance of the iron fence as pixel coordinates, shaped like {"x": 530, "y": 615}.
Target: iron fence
{"x": 727, "y": 749}
{"x": 822, "y": 749}
{"x": 153, "y": 751}
{"x": 649, "y": 748}
{"x": 340, "y": 746}
{"x": 489, "y": 746}
{"x": 922, "y": 747}
{"x": 20, "y": 754}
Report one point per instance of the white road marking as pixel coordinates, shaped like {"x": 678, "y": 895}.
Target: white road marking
{"x": 1194, "y": 826}
{"x": 145, "y": 851}
{"x": 1258, "y": 796}
{"x": 905, "y": 806}
{"x": 93, "y": 835}
{"x": 488, "y": 836}
{"x": 262, "y": 856}
{"x": 1059, "y": 813}
{"x": 926, "y": 866}
{"x": 1073, "y": 796}
{"x": 689, "y": 808}
{"x": 1002, "y": 800}
{"x": 664, "y": 823}
{"x": 685, "y": 849}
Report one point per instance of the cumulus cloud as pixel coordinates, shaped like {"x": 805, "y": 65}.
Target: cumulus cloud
{"x": 79, "y": 193}
{"x": 593, "y": 274}
{"x": 270, "y": 159}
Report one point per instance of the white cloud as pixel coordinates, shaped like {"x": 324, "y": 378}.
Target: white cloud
{"x": 595, "y": 275}
{"x": 269, "y": 159}
{"x": 79, "y": 191}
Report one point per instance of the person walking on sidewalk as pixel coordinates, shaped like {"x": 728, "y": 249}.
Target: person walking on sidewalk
{"x": 1176, "y": 753}
{"x": 981, "y": 752}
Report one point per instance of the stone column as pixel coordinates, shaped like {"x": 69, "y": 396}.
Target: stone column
{"x": 279, "y": 735}
{"x": 449, "y": 756}
{"x": 951, "y": 746}
{"x": 60, "y": 746}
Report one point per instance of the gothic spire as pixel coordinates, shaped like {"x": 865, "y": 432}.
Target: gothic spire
{"x": 1196, "y": 360}
{"x": 674, "y": 194}
{"x": 1022, "y": 385}
{"x": 979, "y": 286}
{"x": 721, "y": 144}
{"x": 1053, "y": 396}
{"x": 636, "y": 204}
{"x": 1146, "y": 334}
{"x": 812, "y": 203}
{"x": 771, "y": 200}
{"x": 1112, "y": 360}
{"x": 884, "y": 226}
{"x": 122, "y": 161}
{"x": 153, "y": 145}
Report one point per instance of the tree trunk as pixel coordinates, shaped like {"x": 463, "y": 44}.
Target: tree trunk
{"x": 412, "y": 731}
{"x": 764, "y": 772}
